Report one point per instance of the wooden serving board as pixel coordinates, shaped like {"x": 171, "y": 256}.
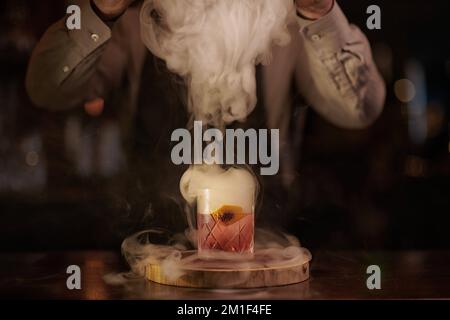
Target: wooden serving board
{"x": 207, "y": 275}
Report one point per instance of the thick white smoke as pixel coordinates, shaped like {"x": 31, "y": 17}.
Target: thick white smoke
{"x": 167, "y": 250}
{"x": 215, "y": 45}
{"x": 238, "y": 184}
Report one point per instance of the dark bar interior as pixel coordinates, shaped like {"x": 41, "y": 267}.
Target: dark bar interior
{"x": 83, "y": 180}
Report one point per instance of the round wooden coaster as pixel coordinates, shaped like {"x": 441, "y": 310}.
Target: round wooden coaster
{"x": 211, "y": 274}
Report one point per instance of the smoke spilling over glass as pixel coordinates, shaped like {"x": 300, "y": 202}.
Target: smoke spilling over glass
{"x": 225, "y": 206}
{"x": 225, "y": 220}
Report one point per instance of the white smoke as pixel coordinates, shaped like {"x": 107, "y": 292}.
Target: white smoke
{"x": 238, "y": 184}
{"x": 157, "y": 247}
{"x": 215, "y": 45}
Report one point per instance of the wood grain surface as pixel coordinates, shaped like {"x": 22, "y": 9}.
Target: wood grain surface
{"x": 207, "y": 275}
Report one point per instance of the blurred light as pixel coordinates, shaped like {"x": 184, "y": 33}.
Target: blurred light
{"x": 95, "y": 107}
{"x": 110, "y": 151}
{"x": 415, "y": 167}
{"x": 412, "y": 262}
{"x": 383, "y": 57}
{"x": 72, "y": 136}
{"x": 435, "y": 119}
{"x": 32, "y": 158}
{"x": 24, "y": 169}
{"x": 405, "y": 90}
{"x": 84, "y": 159}
{"x": 94, "y": 287}
{"x": 417, "y": 107}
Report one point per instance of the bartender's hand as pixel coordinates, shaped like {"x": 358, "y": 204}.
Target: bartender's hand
{"x": 314, "y": 9}
{"x": 111, "y": 9}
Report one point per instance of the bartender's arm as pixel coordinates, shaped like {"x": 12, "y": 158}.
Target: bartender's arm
{"x": 64, "y": 62}
{"x": 335, "y": 71}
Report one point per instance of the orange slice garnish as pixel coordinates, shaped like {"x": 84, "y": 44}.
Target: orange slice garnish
{"x": 228, "y": 214}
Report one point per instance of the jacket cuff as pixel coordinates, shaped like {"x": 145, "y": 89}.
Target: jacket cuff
{"x": 94, "y": 32}
{"x": 330, "y": 33}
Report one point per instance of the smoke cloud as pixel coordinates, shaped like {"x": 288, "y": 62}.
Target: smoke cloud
{"x": 158, "y": 247}
{"x": 236, "y": 183}
{"x": 214, "y": 45}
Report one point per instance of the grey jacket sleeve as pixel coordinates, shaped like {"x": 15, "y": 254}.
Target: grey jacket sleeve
{"x": 335, "y": 71}
{"x": 65, "y": 60}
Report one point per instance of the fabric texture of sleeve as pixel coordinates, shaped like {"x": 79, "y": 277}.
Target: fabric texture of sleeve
{"x": 64, "y": 60}
{"x": 335, "y": 71}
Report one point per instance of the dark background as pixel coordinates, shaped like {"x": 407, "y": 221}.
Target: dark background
{"x": 63, "y": 175}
